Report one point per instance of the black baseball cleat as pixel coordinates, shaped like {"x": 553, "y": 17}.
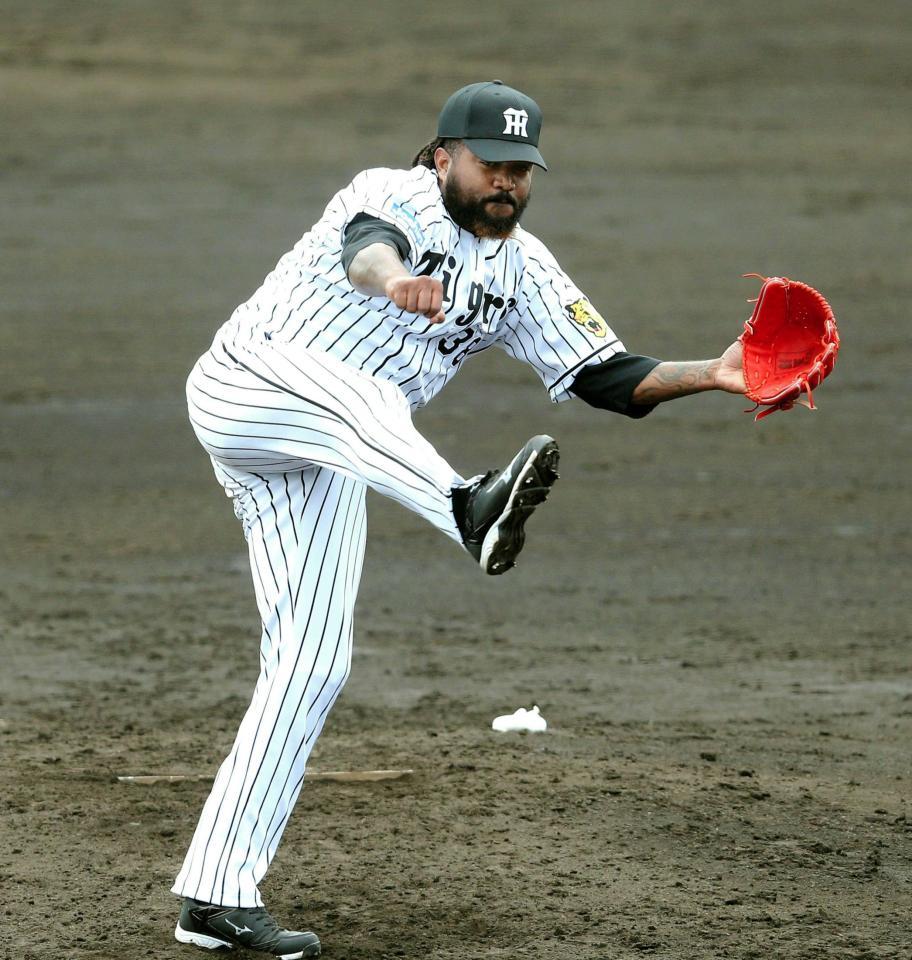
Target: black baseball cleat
{"x": 224, "y": 928}
{"x": 491, "y": 512}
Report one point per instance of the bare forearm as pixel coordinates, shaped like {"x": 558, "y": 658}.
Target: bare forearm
{"x": 377, "y": 271}
{"x": 673, "y": 379}
{"x": 373, "y": 267}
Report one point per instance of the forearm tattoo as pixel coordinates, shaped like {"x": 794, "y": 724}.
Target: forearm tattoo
{"x": 676, "y": 379}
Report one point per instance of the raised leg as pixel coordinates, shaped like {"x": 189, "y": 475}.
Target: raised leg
{"x": 282, "y": 408}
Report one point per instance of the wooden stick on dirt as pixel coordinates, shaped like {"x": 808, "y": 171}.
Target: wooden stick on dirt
{"x": 345, "y": 776}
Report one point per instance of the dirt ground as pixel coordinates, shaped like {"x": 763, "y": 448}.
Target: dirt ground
{"x": 710, "y": 613}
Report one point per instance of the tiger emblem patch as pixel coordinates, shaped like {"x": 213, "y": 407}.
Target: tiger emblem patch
{"x": 583, "y": 313}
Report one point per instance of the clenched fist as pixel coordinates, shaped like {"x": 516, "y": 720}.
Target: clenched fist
{"x": 423, "y": 295}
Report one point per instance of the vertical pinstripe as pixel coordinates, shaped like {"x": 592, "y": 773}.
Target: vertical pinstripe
{"x": 303, "y": 668}
{"x": 308, "y": 299}
{"x": 304, "y": 401}
{"x": 283, "y": 406}
{"x": 295, "y": 438}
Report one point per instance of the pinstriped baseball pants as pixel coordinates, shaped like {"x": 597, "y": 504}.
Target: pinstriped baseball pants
{"x": 295, "y": 438}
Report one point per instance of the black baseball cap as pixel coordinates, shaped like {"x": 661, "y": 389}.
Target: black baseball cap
{"x": 496, "y": 122}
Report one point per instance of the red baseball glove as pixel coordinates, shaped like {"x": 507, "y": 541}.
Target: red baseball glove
{"x": 789, "y": 344}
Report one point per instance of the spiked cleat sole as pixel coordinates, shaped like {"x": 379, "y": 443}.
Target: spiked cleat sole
{"x": 533, "y": 483}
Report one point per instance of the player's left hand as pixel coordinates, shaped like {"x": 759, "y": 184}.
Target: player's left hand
{"x": 729, "y": 373}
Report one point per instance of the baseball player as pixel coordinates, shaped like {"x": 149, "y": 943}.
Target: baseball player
{"x": 304, "y": 401}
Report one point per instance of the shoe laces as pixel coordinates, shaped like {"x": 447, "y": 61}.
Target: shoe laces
{"x": 265, "y": 920}
{"x": 478, "y": 485}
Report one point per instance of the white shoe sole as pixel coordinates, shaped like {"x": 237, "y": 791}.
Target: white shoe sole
{"x": 206, "y": 942}
{"x": 201, "y": 940}
{"x": 506, "y": 537}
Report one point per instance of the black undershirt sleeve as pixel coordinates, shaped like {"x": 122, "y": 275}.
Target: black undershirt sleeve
{"x": 610, "y": 384}
{"x": 363, "y": 230}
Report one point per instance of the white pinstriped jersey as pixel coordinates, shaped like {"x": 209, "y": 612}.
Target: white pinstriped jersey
{"x": 506, "y": 293}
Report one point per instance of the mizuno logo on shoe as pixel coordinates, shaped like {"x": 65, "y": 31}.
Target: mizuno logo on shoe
{"x": 238, "y": 930}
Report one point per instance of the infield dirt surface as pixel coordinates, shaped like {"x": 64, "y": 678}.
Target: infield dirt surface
{"x": 711, "y": 614}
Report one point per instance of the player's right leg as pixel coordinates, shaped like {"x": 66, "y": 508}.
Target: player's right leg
{"x": 305, "y": 534}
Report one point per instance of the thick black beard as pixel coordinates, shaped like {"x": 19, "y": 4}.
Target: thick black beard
{"x": 471, "y": 214}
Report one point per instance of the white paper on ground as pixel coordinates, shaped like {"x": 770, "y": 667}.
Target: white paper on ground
{"x": 521, "y": 719}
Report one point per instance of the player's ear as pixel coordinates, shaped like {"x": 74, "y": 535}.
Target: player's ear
{"x": 442, "y": 161}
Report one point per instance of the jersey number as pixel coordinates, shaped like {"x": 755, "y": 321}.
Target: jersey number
{"x": 479, "y": 302}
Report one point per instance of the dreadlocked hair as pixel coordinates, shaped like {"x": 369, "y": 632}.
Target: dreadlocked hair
{"x": 425, "y": 156}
